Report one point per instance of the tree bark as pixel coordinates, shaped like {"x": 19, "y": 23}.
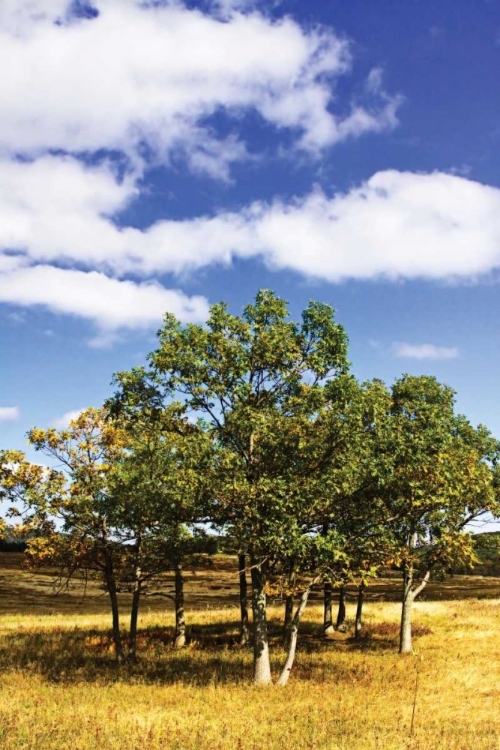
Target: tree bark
{"x": 180, "y": 622}
{"x": 288, "y": 620}
{"x": 409, "y": 596}
{"x": 405, "y": 643}
{"x": 341, "y": 614}
{"x": 134, "y": 613}
{"x": 244, "y": 621}
{"x": 261, "y": 662}
{"x": 136, "y": 595}
{"x": 358, "y": 623}
{"x": 294, "y": 632}
{"x": 111, "y": 586}
{"x": 328, "y": 628}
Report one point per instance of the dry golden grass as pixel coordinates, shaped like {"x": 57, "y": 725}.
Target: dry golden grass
{"x": 61, "y": 691}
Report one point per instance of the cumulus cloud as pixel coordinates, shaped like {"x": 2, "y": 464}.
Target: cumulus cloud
{"x": 142, "y": 79}
{"x": 8, "y": 413}
{"x": 56, "y": 213}
{"x": 425, "y": 351}
{"x": 139, "y": 73}
{"x": 396, "y": 225}
{"x": 148, "y": 77}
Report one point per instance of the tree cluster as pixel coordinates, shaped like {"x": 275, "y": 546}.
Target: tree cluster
{"x": 252, "y": 429}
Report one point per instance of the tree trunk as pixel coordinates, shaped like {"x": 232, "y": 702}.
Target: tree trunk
{"x": 180, "y": 622}
{"x": 244, "y": 622}
{"x": 134, "y": 613}
{"x": 409, "y": 596}
{"x": 288, "y": 620}
{"x": 294, "y": 632}
{"x": 405, "y": 644}
{"x": 328, "y": 628}
{"x": 341, "y": 611}
{"x": 111, "y": 586}
{"x": 358, "y": 624}
{"x": 261, "y": 663}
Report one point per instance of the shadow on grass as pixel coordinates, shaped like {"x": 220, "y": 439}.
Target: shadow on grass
{"x": 212, "y": 656}
{"x": 87, "y": 655}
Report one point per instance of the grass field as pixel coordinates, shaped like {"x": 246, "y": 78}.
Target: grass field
{"x": 61, "y": 690}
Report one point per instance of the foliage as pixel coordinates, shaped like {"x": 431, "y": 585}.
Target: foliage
{"x": 258, "y": 383}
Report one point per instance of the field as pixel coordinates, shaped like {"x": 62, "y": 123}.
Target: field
{"x": 60, "y": 688}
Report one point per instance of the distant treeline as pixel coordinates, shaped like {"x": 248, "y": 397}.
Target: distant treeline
{"x": 12, "y": 546}
{"x": 487, "y": 547}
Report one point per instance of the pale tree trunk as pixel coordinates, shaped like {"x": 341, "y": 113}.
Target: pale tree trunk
{"x": 287, "y": 622}
{"x": 180, "y": 622}
{"x": 111, "y": 586}
{"x": 261, "y": 663}
{"x": 244, "y": 622}
{"x": 405, "y": 642}
{"x": 409, "y": 596}
{"x": 294, "y": 632}
{"x": 341, "y": 614}
{"x": 358, "y": 623}
{"x": 328, "y": 629}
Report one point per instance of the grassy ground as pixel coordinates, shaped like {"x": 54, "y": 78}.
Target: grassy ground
{"x": 60, "y": 689}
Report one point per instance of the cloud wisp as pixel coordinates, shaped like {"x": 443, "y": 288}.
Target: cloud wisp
{"x": 63, "y": 422}
{"x": 9, "y": 413}
{"x": 425, "y": 351}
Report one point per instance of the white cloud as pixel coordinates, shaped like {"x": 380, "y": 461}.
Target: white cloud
{"x": 63, "y": 422}
{"x": 142, "y": 77}
{"x": 109, "y": 303}
{"x": 17, "y": 16}
{"x": 56, "y": 207}
{"x": 425, "y": 351}
{"x": 56, "y": 212}
{"x": 396, "y": 225}
{"x": 9, "y": 413}
{"x": 138, "y": 74}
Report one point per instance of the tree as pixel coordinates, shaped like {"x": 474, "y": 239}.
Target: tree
{"x": 26, "y": 485}
{"x": 161, "y": 481}
{"x": 440, "y": 475}
{"x": 258, "y": 381}
{"x": 345, "y": 491}
{"x": 82, "y": 501}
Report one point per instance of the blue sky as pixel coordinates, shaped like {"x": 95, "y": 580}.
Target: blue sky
{"x": 165, "y": 156}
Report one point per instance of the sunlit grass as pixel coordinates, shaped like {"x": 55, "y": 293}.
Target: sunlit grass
{"x": 61, "y": 690}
